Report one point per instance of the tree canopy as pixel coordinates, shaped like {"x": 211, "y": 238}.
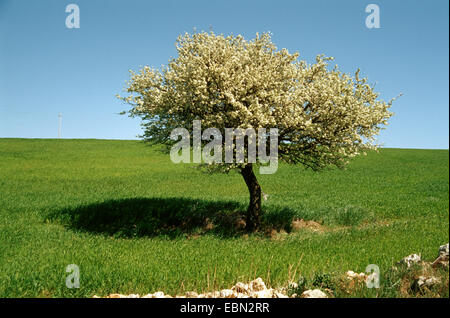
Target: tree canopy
{"x": 323, "y": 116}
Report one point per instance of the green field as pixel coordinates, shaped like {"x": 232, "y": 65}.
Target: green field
{"x": 127, "y": 216}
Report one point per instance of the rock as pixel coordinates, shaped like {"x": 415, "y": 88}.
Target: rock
{"x": 315, "y": 293}
{"x": 265, "y": 293}
{"x": 214, "y": 294}
{"x": 443, "y": 257}
{"x": 227, "y": 293}
{"x": 254, "y": 289}
{"x": 257, "y": 284}
{"x": 278, "y": 294}
{"x": 444, "y": 251}
{"x": 410, "y": 260}
{"x": 241, "y": 288}
{"x": 352, "y": 275}
{"x": 158, "y": 294}
{"x": 354, "y": 280}
{"x": 427, "y": 282}
{"x": 293, "y": 286}
{"x": 191, "y": 294}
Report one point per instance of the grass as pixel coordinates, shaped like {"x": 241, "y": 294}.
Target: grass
{"x": 134, "y": 222}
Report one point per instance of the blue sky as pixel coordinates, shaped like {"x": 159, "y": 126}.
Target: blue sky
{"x": 46, "y": 68}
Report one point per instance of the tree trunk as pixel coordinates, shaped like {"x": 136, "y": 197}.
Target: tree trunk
{"x": 254, "y": 208}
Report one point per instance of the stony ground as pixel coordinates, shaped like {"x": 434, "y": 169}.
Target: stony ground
{"x": 421, "y": 282}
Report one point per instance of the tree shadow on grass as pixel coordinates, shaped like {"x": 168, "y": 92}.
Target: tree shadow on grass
{"x": 149, "y": 217}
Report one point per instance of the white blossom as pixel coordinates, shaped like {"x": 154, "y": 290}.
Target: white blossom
{"x": 324, "y": 116}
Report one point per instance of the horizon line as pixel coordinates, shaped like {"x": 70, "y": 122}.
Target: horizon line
{"x": 119, "y": 139}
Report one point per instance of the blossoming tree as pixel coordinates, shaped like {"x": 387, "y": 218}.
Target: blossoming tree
{"x": 324, "y": 117}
